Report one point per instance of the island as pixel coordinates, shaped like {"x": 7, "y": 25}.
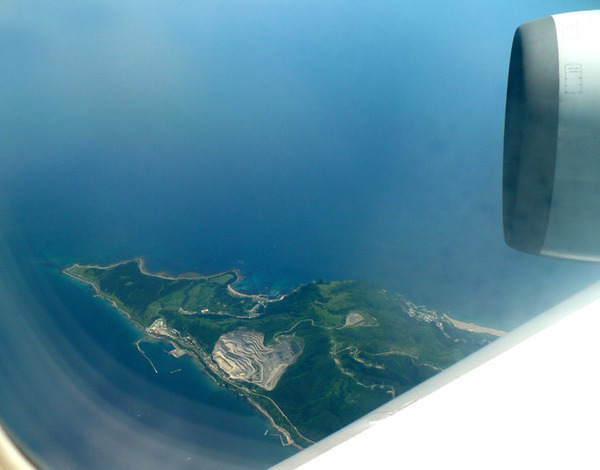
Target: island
{"x": 311, "y": 361}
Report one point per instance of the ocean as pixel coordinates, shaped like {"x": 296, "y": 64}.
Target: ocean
{"x": 293, "y": 142}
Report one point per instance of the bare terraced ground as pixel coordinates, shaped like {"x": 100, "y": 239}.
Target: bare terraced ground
{"x": 242, "y": 355}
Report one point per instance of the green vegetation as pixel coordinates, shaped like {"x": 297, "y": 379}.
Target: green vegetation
{"x": 361, "y": 346}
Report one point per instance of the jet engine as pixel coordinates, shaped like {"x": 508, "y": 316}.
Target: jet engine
{"x": 551, "y": 174}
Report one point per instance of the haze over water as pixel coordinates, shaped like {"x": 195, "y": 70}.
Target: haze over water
{"x": 293, "y": 141}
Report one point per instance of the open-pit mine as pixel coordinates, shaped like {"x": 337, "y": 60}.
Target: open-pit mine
{"x": 242, "y": 355}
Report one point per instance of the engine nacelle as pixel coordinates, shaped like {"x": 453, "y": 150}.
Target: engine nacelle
{"x": 551, "y": 181}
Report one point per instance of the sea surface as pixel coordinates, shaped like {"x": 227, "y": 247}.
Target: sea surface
{"x": 292, "y": 141}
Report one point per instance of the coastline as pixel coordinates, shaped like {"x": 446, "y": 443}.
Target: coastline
{"x": 156, "y": 327}
{"x": 99, "y": 293}
{"x": 190, "y": 275}
{"x": 196, "y": 352}
{"x": 461, "y": 325}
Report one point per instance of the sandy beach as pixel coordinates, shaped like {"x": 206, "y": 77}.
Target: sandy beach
{"x": 473, "y": 328}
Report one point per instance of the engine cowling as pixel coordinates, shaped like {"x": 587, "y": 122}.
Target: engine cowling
{"x": 551, "y": 174}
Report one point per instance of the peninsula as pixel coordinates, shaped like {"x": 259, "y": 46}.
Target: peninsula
{"x": 311, "y": 361}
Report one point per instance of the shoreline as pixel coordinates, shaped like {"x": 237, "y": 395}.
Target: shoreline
{"x": 472, "y": 327}
{"x": 276, "y": 418}
{"x": 283, "y": 434}
{"x": 190, "y": 276}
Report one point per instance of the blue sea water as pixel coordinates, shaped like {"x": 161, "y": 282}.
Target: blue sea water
{"x": 292, "y": 141}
